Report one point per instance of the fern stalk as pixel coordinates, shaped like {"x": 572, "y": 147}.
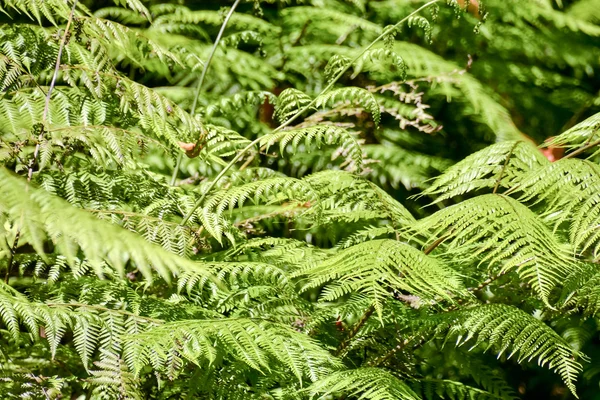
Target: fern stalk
{"x": 201, "y": 81}
{"x": 304, "y": 109}
{"x": 63, "y": 41}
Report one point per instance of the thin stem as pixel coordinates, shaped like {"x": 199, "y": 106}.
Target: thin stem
{"x": 363, "y": 320}
{"x": 501, "y": 174}
{"x": 49, "y": 94}
{"x": 11, "y": 256}
{"x": 582, "y": 149}
{"x": 303, "y": 109}
{"x": 201, "y": 81}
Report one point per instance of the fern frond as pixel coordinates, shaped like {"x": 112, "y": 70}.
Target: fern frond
{"x": 34, "y": 212}
{"x": 569, "y": 190}
{"x": 384, "y": 266}
{"x": 504, "y": 327}
{"x": 289, "y": 102}
{"x": 363, "y": 383}
{"x": 584, "y": 133}
{"x": 499, "y": 165}
{"x": 351, "y": 95}
{"x": 505, "y": 235}
{"x": 316, "y": 136}
{"x": 259, "y": 344}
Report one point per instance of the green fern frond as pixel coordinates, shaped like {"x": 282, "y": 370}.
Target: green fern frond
{"x": 32, "y": 212}
{"x": 569, "y": 190}
{"x": 316, "y": 136}
{"x": 505, "y": 235}
{"x": 259, "y": 344}
{"x": 582, "y": 134}
{"x": 351, "y": 95}
{"x": 289, "y": 102}
{"x": 363, "y": 383}
{"x": 500, "y": 165}
{"x": 505, "y": 327}
{"x": 384, "y": 266}
{"x": 113, "y": 379}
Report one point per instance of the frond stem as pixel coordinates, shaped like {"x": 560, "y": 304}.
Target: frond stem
{"x": 582, "y": 149}
{"x": 63, "y": 41}
{"x": 501, "y": 174}
{"x": 201, "y": 81}
{"x": 303, "y": 109}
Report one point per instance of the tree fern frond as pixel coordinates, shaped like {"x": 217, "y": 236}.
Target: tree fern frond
{"x": 505, "y": 327}
{"x": 503, "y": 234}
{"x": 569, "y": 190}
{"x": 384, "y": 266}
{"x": 257, "y": 343}
{"x": 112, "y": 378}
{"x": 582, "y": 134}
{"x": 33, "y": 211}
{"x": 316, "y": 135}
{"x": 289, "y": 102}
{"x": 499, "y": 165}
{"x": 351, "y": 95}
{"x": 363, "y": 383}
{"x": 342, "y": 192}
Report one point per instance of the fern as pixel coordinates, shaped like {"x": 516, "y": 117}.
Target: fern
{"x": 507, "y": 236}
{"x": 227, "y": 201}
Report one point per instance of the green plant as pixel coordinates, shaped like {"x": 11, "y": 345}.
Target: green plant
{"x": 206, "y": 202}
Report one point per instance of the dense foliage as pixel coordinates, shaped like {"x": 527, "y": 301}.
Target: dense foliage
{"x": 294, "y": 200}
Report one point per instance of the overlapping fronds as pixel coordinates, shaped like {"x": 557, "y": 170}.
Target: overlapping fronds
{"x": 505, "y": 328}
{"x": 501, "y": 165}
{"x": 503, "y": 234}
{"x": 259, "y": 344}
{"x": 384, "y": 266}
{"x": 271, "y": 160}
{"x": 32, "y": 213}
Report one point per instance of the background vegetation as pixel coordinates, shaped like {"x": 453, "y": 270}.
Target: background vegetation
{"x": 291, "y": 200}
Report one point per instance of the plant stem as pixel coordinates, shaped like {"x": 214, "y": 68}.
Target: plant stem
{"x": 303, "y": 109}
{"x": 49, "y": 94}
{"x": 501, "y": 174}
{"x": 201, "y": 81}
{"x": 582, "y": 149}
{"x": 363, "y": 320}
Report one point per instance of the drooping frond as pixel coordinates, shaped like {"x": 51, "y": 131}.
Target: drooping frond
{"x": 259, "y": 344}
{"x": 569, "y": 189}
{"x": 505, "y": 328}
{"x": 32, "y": 212}
{"x": 501, "y": 165}
{"x": 384, "y": 266}
{"x": 504, "y": 235}
{"x": 363, "y": 383}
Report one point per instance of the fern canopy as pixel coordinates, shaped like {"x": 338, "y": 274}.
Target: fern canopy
{"x": 290, "y": 200}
